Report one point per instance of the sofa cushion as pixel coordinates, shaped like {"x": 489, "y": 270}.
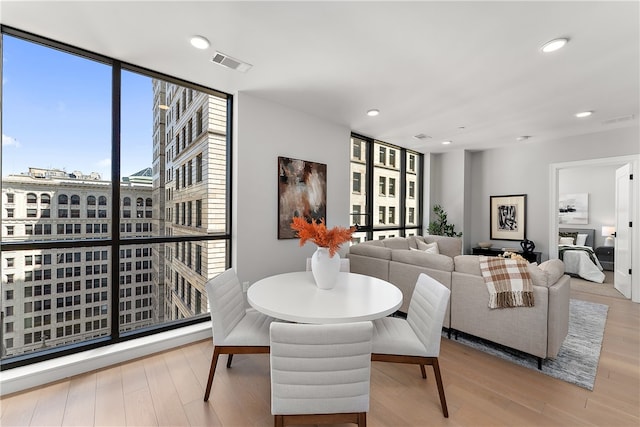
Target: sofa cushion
{"x": 554, "y": 269}
{"x": 413, "y": 241}
{"x": 396, "y": 243}
{"x": 374, "y": 251}
{"x": 469, "y": 264}
{"x": 539, "y": 277}
{"x": 423, "y": 259}
{"x": 449, "y": 246}
{"x": 430, "y": 248}
{"x": 373, "y": 243}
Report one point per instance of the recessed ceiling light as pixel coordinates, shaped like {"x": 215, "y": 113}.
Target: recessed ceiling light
{"x": 199, "y": 42}
{"x": 553, "y": 45}
{"x": 582, "y": 114}
{"x": 373, "y": 113}
{"x": 446, "y": 142}
{"x": 523, "y": 138}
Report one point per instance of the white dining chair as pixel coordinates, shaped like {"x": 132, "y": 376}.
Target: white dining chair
{"x": 415, "y": 339}
{"x": 320, "y": 374}
{"x": 345, "y": 264}
{"x": 236, "y": 329}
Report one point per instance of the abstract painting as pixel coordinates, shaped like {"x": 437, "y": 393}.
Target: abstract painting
{"x": 573, "y": 208}
{"x": 302, "y": 191}
{"x": 508, "y": 214}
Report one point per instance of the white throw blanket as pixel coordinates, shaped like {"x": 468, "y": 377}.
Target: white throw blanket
{"x": 508, "y": 282}
{"x": 579, "y": 263}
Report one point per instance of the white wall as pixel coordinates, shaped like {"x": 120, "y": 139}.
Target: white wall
{"x": 449, "y": 192}
{"x": 262, "y": 132}
{"x": 599, "y": 183}
{"x": 524, "y": 169}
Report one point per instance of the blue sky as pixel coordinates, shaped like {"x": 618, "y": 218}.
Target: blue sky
{"x": 56, "y": 113}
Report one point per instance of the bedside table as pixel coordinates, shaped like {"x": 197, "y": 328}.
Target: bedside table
{"x": 605, "y": 256}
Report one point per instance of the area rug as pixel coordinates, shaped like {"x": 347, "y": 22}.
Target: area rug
{"x": 577, "y": 360}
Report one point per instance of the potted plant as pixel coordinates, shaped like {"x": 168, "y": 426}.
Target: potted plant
{"x": 440, "y": 227}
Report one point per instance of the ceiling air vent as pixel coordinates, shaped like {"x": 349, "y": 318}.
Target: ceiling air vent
{"x": 421, "y": 136}
{"x": 229, "y": 62}
{"x": 618, "y": 119}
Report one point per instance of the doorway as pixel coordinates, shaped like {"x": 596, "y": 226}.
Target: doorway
{"x": 600, "y": 213}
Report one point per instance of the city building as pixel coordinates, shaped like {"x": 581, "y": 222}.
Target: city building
{"x": 54, "y": 297}
{"x": 62, "y": 296}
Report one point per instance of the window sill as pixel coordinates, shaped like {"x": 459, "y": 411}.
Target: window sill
{"x": 38, "y": 374}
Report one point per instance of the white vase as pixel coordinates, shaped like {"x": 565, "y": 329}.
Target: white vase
{"x": 325, "y": 269}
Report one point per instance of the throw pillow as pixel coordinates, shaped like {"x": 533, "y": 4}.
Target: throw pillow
{"x": 554, "y": 269}
{"x": 566, "y": 241}
{"x": 581, "y": 240}
{"x": 430, "y": 248}
{"x": 572, "y": 234}
{"x": 539, "y": 276}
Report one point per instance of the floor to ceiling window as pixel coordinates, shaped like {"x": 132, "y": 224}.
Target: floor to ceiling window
{"x": 115, "y": 202}
{"x": 386, "y": 191}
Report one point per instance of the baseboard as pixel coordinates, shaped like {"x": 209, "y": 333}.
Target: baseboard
{"x": 38, "y": 374}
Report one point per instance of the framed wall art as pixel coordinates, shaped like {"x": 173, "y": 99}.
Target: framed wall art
{"x": 508, "y": 217}
{"x": 302, "y": 191}
{"x": 573, "y": 208}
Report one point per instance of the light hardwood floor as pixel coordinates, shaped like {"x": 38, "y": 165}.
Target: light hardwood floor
{"x": 167, "y": 389}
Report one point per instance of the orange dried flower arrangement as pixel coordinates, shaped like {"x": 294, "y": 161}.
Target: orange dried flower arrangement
{"x": 316, "y": 231}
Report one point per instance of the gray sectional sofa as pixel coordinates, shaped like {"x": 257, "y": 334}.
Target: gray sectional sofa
{"x": 538, "y": 330}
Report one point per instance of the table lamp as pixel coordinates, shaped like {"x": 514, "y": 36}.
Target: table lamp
{"x": 608, "y": 231}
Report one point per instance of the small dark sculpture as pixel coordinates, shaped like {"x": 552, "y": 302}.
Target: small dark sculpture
{"x": 527, "y": 246}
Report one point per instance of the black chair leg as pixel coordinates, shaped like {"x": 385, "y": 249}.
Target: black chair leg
{"x": 229, "y": 359}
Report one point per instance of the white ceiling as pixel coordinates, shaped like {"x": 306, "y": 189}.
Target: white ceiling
{"x": 470, "y": 72}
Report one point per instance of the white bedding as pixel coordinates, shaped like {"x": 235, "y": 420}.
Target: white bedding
{"x": 579, "y": 263}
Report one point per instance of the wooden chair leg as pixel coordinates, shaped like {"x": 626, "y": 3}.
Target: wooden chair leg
{"x": 278, "y": 421}
{"x": 212, "y": 371}
{"x": 424, "y": 373}
{"x": 362, "y": 419}
{"x": 443, "y": 401}
{"x": 229, "y": 359}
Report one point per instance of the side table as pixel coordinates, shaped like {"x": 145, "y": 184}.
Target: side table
{"x": 530, "y": 256}
{"x": 605, "y": 255}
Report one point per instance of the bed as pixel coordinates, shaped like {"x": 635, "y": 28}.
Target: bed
{"x": 575, "y": 249}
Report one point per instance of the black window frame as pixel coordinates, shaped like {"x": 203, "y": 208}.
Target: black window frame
{"x": 115, "y": 241}
{"x": 372, "y": 162}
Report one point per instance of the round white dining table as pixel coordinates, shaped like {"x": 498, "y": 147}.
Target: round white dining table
{"x": 296, "y": 298}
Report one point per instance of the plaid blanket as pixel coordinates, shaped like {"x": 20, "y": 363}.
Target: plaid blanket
{"x": 508, "y": 282}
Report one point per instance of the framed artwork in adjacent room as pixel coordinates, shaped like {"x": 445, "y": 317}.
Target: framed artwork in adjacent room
{"x": 508, "y": 217}
{"x": 573, "y": 208}
{"x": 302, "y": 191}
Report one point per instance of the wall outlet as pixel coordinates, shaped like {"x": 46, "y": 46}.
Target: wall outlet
{"x": 245, "y": 286}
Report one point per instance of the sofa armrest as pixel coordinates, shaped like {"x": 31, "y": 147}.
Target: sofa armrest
{"x": 522, "y": 328}
{"x": 558, "y": 319}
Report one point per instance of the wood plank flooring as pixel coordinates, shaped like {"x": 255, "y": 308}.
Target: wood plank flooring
{"x": 166, "y": 389}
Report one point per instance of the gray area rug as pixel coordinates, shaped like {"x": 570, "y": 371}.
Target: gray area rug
{"x": 577, "y": 360}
